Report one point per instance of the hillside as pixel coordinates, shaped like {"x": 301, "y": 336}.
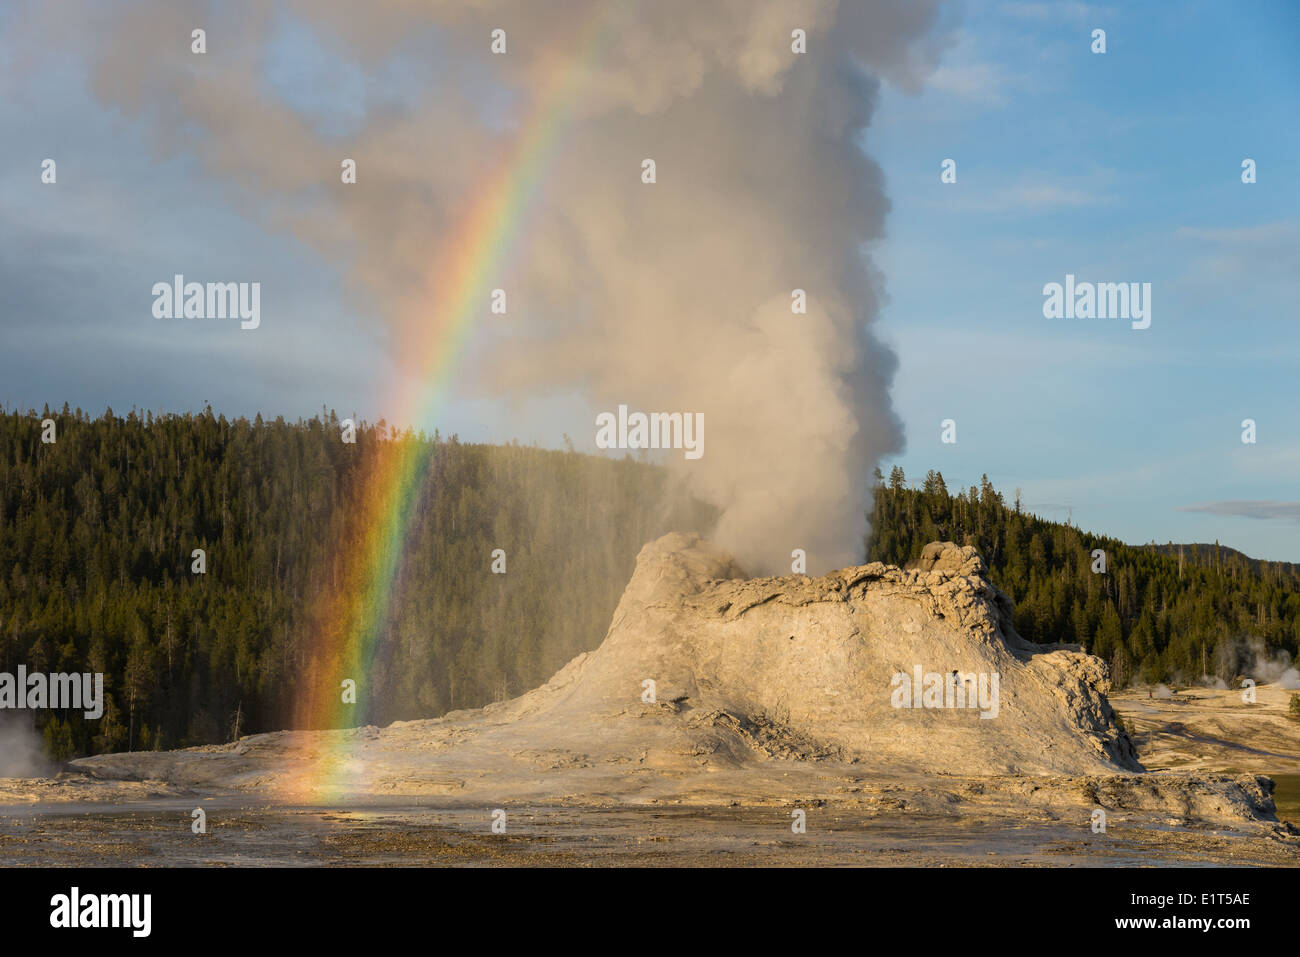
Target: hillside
{"x": 97, "y": 531}
{"x": 1213, "y": 553}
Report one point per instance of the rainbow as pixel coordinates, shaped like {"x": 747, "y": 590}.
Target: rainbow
{"x": 470, "y": 258}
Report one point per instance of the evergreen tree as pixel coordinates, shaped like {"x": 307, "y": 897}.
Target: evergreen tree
{"x": 1170, "y": 612}
{"x": 97, "y": 532}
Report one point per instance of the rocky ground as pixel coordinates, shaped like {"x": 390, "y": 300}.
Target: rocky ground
{"x": 771, "y": 698}
{"x": 1195, "y": 729}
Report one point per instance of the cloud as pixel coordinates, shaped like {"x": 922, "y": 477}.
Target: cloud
{"x": 977, "y": 82}
{"x": 1266, "y": 252}
{"x": 1265, "y": 233}
{"x": 1027, "y": 198}
{"x": 1250, "y": 508}
{"x": 1045, "y": 196}
{"x": 1062, "y": 10}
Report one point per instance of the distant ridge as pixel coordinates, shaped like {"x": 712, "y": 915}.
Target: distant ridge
{"x": 1204, "y": 554}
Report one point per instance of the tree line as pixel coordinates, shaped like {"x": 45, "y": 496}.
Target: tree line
{"x": 1173, "y": 613}
{"x": 98, "y": 530}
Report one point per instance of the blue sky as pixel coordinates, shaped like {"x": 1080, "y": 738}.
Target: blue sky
{"x": 1116, "y": 167}
{"x": 1123, "y": 166}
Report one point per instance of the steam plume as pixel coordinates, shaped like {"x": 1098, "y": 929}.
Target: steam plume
{"x": 670, "y": 297}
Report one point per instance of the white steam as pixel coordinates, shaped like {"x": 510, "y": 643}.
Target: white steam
{"x": 20, "y": 749}
{"x": 672, "y": 297}
{"x": 1251, "y": 658}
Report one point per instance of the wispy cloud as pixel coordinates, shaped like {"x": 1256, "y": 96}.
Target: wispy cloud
{"x": 1030, "y": 198}
{"x": 1064, "y": 10}
{"x": 1047, "y": 195}
{"x": 1250, "y": 508}
{"x": 978, "y": 82}
{"x": 1264, "y": 252}
{"x": 1241, "y": 235}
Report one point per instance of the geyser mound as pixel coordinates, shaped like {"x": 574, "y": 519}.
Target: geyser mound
{"x": 817, "y": 668}
{"x": 766, "y": 679}
{"x": 766, "y": 691}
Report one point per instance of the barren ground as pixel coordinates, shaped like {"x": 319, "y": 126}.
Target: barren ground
{"x": 773, "y": 702}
